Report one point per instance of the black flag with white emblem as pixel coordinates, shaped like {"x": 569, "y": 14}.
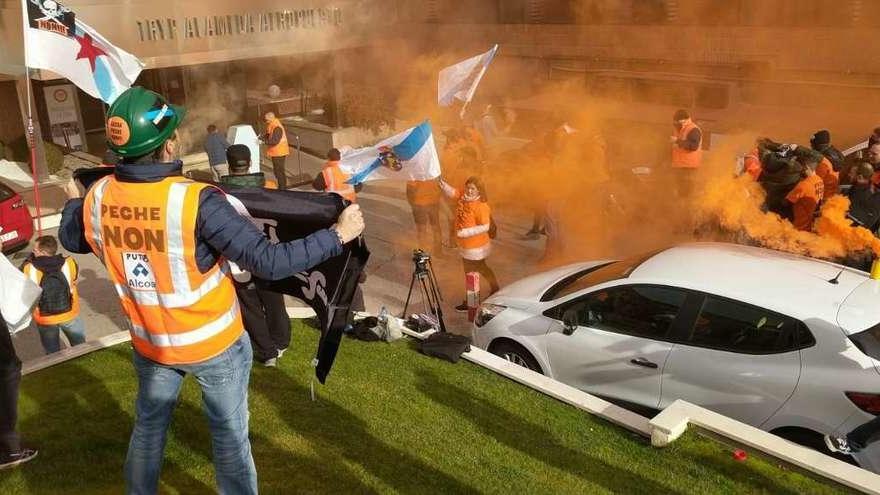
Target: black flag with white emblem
{"x": 329, "y": 287}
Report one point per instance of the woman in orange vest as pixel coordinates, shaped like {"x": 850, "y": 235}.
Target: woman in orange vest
{"x": 473, "y": 221}
{"x": 333, "y": 179}
{"x": 278, "y": 149}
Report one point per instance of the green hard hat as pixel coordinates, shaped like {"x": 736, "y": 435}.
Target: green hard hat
{"x": 139, "y": 121}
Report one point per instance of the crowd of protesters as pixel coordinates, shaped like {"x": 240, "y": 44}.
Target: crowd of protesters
{"x": 796, "y": 180}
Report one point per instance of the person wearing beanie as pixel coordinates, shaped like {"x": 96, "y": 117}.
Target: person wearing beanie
{"x": 830, "y": 164}
{"x": 262, "y": 311}
{"x": 238, "y": 157}
{"x": 821, "y": 142}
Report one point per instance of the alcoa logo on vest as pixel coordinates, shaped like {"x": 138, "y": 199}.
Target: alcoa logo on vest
{"x": 316, "y": 283}
{"x": 138, "y": 272}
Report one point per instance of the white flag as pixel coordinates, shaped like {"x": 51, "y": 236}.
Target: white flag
{"x": 414, "y": 158}
{"x": 460, "y": 81}
{"x": 56, "y": 40}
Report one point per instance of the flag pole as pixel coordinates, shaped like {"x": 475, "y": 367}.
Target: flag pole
{"x": 31, "y": 132}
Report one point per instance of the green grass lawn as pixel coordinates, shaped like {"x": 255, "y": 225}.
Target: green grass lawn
{"x": 389, "y": 420}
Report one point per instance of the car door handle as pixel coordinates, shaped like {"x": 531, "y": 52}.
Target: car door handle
{"x": 643, "y": 362}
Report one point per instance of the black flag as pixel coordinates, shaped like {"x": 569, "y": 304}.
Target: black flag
{"x": 288, "y": 215}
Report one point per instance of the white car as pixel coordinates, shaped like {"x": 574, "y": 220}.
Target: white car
{"x": 778, "y": 341}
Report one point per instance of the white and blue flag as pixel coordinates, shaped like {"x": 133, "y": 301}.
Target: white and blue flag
{"x": 414, "y": 158}
{"x": 459, "y": 81}
{"x": 57, "y": 40}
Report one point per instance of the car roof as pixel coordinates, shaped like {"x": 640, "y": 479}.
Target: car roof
{"x": 790, "y": 284}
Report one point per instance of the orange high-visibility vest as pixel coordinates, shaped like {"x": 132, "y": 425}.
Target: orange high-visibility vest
{"x": 682, "y": 158}
{"x": 830, "y": 178}
{"x": 70, "y": 272}
{"x": 145, "y": 235}
{"x": 471, "y": 214}
{"x": 334, "y": 181}
{"x": 752, "y": 164}
{"x": 282, "y": 148}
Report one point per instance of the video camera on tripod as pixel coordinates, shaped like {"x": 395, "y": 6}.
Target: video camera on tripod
{"x": 423, "y": 273}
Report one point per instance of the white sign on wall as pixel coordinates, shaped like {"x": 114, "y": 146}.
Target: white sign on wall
{"x": 63, "y": 116}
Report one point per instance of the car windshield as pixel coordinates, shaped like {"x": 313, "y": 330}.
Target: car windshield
{"x": 596, "y": 275}
{"x": 5, "y": 192}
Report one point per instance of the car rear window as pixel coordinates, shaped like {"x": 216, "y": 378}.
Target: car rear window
{"x": 5, "y": 192}
{"x": 596, "y": 275}
{"x": 868, "y": 341}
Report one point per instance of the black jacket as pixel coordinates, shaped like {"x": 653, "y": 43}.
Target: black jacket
{"x": 834, "y": 156}
{"x": 865, "y": 206}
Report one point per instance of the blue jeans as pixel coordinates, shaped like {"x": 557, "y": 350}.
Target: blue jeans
{"x": 224, "y": 382}
{"x": 50, "y": 335}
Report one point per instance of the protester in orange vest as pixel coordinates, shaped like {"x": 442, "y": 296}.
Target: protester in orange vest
{"x": 278, "y": 149}
{"x": 423, "y": 197}
{"x": 687, "y": 155}
{"x": 830, "y": 177}
{"x": 471, "y": 136}
{"x": 165, "y": 241}
{"x": 333, "y": 179}
{"x": 752, "y": 164}
{"x": 805, "y": 197}
{"x": 473, "y": 225}
{"x": 58, "y": 308}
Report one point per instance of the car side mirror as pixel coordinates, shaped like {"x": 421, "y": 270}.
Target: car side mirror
{"x": 569, "y": 322}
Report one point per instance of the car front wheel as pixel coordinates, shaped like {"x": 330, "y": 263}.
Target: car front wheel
{"x": 516, "y": 354}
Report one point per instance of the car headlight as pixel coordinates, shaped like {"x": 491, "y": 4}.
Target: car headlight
{"x": 486, "y": 312}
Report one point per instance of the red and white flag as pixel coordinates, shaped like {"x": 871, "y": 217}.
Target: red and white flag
{"x": 56, "y": 40}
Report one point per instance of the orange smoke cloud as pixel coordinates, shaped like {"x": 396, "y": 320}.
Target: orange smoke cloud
{"x": 735, "y": 205}
{"x": 834, "y": 224}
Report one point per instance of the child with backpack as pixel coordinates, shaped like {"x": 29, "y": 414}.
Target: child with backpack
{"x": 58, "y": 308}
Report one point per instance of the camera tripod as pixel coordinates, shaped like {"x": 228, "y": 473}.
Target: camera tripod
{"x": 423, "y": 273}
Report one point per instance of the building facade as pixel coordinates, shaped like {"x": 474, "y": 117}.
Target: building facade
{"x": 781, "y": 68}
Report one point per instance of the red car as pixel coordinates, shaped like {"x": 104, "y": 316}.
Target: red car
{"x": 16, "y": 224}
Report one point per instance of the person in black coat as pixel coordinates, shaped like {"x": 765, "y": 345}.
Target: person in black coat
{"x": 11, "y": 451}
{"x": 821, "y": 142}
{"x": 864, "y": 198}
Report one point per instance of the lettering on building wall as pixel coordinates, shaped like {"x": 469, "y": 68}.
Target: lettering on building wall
{"x": 213, "y": 26}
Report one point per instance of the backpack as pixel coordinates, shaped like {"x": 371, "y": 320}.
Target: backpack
{"x": 446, "y": 346}
{"x": 56, "y": 298}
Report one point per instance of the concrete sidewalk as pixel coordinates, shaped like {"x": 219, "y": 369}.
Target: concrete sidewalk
{"x": 390, "y": 235}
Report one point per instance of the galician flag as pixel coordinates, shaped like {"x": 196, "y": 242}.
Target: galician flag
{"x": 410, "y": 155}
{"x": 459, "y": 81}
{"x": 55, "y": 39}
